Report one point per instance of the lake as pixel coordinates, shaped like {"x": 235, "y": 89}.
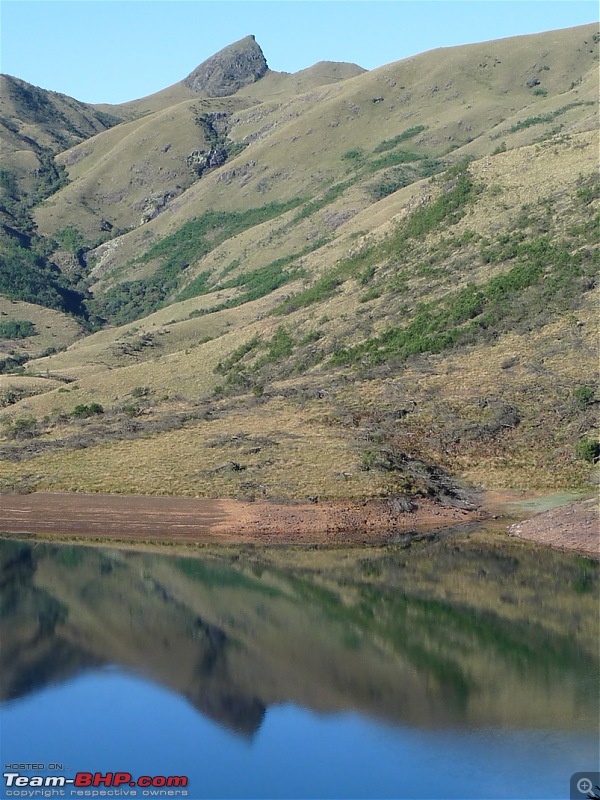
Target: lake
{"x": 462, "y": 667}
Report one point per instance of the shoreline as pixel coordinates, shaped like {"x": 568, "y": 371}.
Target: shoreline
{"x": 142, "y": 519}
{"x": 209, "y": 521}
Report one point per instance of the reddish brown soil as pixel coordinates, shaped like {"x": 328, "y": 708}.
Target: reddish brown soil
{"x": 574, "y": 527}
{"x": 126, "y": 517}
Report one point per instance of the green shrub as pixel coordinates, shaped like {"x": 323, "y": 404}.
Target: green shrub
{"x": 388, "y": 185}
{"x": 546, "y": 275}
{"x": 366, "y": 275}
{"x": 23, "y": 428}
{"x": 70, "y": 239}
{"x": 225, "y": 366}
{"x": 371, "y": 294}
{"x": 17, "y": 329}
{"x": 13, "y": 363}
{"x": 392, "y": 159}
{"x": 588, "y": 450}
{"x": 328, "y": 197}
{"x": 368, "y": 459}
{"x": 9, "y": 398}
{"x": 264, "y": 280}
{"x": 8, "y": 183}
{"x": 589, "y": 191}
{"x": 449, "y": 207}
{"x": 280, "y": 346}
{"x": 230, "y": 267}
{"x": 550, "y": 117}
{"x": 312, "y": 336}
{"x": 389, "y": 144}
{"x": 195, "y": 287}
{"x": 84, "y": 411}
{"x": 584, "y": 395}
{"x": 29, "y": 276}
{"x": 353, "y": 155}
{"x": 320, "y": 290}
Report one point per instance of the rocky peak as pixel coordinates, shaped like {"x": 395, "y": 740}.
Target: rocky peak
{"x": 233, "y": 67}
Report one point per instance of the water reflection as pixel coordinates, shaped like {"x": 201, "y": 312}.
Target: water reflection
{"x": 456, "y": 633}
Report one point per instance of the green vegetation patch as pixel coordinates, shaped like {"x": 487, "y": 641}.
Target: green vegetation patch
{"x": 225, "y": 366}
{"x": 264, "y": 280}
{"x": 258, "y": 283}
{"x": 201, "y": 235}
{"x": 71, "y": 240}
{"x": 134, "y": 299}
{"x": 389, "y": 183}
{"x": 546, "y": 275}
{"x": 588, "y": 450}
{"x": 389, "y": 144}
{"x": 321, "y": 290}
{"x": 199, "y": 285}
{"x": 584, "y": 395}
{"x": 446, "y": 209}
{"x": 280, "y": 346}
{"x": 17, "y": 329}
{"x": 30, "y": 276}
{"x": 84, "y": 411}
{"x": 392, "y": 159}
{"x": 26, "y": 270}
{"x": 550, "y": 117}
{"x": 328, "y": 197}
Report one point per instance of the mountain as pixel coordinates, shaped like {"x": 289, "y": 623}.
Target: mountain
{"x": 337, "y": 283}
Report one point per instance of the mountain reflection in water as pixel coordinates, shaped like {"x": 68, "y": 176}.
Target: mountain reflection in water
{"x": 462, "y": 632}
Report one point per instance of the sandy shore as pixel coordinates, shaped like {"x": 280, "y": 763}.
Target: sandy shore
{"x": 181, "y": 519}
{"x": 574, "y": 527}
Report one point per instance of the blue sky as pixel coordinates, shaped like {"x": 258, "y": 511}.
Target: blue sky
{"x": 113, "y": 51}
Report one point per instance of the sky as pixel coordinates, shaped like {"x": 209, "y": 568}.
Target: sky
{"x": 111, "y": 51}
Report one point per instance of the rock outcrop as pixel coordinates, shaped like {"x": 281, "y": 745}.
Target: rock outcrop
{"x": 232, "y": 68}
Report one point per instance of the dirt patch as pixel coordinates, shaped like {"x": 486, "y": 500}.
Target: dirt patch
{"x": 364, "y": 522}
{"x": 574, "y": 527}
{"x": 127, "y": 517}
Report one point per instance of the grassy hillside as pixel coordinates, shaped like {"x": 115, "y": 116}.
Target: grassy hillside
{"x": 35, "y": 125}
{"x": 324, "y": 144}
{"x": 390, "y": 279}
{"x": 35, "y": 122}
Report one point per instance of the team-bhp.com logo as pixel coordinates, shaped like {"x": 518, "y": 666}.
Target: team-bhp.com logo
{"x": 94, "y": 784}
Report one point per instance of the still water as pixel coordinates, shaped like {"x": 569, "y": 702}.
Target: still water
{"x": 460, "y": 668}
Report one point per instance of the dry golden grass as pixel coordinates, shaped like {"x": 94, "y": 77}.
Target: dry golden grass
{"x": 461, "y": 94}
{"x": 53, "y": 328}
{"x": 298, "y": 458}
{"x": 547, "y": 364}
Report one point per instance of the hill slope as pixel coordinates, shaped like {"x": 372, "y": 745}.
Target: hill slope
{"x": 35, "y": 125}
{"x": 359, "y": 290}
